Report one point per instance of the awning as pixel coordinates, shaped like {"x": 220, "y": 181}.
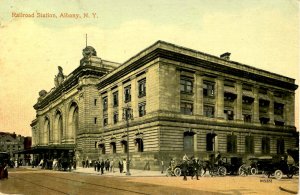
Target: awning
{"x": 44, "y": 149}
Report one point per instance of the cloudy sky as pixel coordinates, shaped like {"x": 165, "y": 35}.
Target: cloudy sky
{"x": 259, "y": 33}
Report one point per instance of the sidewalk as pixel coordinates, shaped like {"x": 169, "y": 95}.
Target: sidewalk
{"x": 133, "y": 172}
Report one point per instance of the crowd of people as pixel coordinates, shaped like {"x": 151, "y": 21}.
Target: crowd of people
{"x": 107, "y": 165}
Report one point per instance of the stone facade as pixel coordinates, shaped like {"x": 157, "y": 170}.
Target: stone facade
{"x": 12, "y": 144}
{"x": 181, "y": 101}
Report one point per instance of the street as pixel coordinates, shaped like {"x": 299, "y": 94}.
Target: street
{"x": 37, "y": 181}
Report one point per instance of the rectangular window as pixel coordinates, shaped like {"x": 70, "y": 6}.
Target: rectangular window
{"x": 95, "y": 102}
{"x": 105, "y": 121}
{"x": 115, "y": 99}
{"x": 278, "y": 109}
{"x": 127, "y": 94}
{"x": 186, "y": 108}
{"x": 231, "y": 143}
{"x": 116, "y": 117}
{"x": 265, "y": 145}
{"x": 142, "y": 88}
{"x": 229, "y": 115}
{"x": 95, "y": 120}
{"x": 142, "y": 109}
{"x": 186, "y": 85}
{"x": 209, "y": 111}
{"x": 247, "y": 118}
{"x": 249, "y": 145}
{"x": 208, "y": 89}
{"x": 105, "y": 103}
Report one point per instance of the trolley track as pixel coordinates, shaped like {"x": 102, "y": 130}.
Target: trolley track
{"x": 70, "y": 180}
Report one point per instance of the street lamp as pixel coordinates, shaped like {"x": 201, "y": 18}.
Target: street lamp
{"x": 127, "y": 115}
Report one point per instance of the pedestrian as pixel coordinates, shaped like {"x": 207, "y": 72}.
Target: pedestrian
{"x": 87, "y": 163}
{"x": 111, "y": 165}
{"x": 121, "y": 166}
{"x": 98, "y": 165}
{"x": 124, "y": 165}
{"x": 195, "y": 167}
{"x": 102, "y": 166}
{"x": 184, "y": 170}
{"x": 95, "y": 165}
{"x": 107, "y": 163}
{"x": 162, "y": 166}
{"x": 83, "y": 163}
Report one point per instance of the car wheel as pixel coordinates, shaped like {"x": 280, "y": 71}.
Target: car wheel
{"x": 278, "y": 174}
{"x": 242, "y": 170}
{"x": 253, "y": 171}
{"x": 177, "y": 172}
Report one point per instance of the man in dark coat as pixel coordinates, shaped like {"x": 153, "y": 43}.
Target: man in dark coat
{"x": 102, "y": 166}
{"x": 121, "y": 166}
{"x": 196, "y": 167}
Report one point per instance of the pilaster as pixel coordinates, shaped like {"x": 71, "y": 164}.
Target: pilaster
{"x": 198, "y": 94}
{"x": 220, "y": 97}
{"x": 271, "y": 107}
{"x": 239, "y": 102}
{"x": 255, "y": 105}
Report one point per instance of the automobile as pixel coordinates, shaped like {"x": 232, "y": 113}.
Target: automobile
{"x": 279, "y": 166}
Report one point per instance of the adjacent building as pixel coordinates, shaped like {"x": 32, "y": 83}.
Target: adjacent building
{"x": 177, "y": 100}
{"x": 13, "y": 144}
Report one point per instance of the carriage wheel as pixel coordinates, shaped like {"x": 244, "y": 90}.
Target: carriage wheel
{"x": 278, "y": 174}
{"x": 222, "y": 171}
{"x": 253, "y": 171}
{"x": 213, "y": 171}
{"x": 177, "y": 172}
{"x": 169, "y": 172}
{"x": 243, "y": 170}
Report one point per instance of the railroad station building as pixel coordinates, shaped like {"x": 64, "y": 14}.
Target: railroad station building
{"x": 179, "y": 101}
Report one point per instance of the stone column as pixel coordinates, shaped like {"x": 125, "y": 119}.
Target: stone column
{"x": 289, "y": 109}
{"x": 121, "y": 100}
{"x": 271, "y": 107}
{"x": 255, "y": 105}
{"x": 109, "y": 107}
{"x": 134, "y": 97}
{"x": 220, "y": 98}
{"x": 239, "y": 102}
{"x": 198, "y": 94}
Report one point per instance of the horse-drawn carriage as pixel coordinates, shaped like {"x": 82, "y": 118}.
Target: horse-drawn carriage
{"x": 177, "y": 169}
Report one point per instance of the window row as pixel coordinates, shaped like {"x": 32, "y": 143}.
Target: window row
{"x": 139, "y": 145}
{"x": 212, "y": 142}
{"x": 126, "y": 114}
{"x": 127, "y": 95}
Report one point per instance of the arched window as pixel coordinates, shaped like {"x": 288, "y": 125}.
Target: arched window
{"x": 249, "y": 145}
{"x": 231, "y": 143}
{"x": 139, "y": 144}
{"x": 188, "y": 141}
{"x": 124, "y": 146}
{"x": 265, "y": 145}
{"x": 101, "y": 146}
{"x": 113, "y": 147}
{"x": 280, "y": 146}
{"x": 211, "y": 142}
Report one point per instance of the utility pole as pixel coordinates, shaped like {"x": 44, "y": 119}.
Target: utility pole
{"x": 127, "y": 115}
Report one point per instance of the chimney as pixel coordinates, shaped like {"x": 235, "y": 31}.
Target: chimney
{"x": 225, "y": 56}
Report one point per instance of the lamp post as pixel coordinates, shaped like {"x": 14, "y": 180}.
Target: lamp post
{"x": 127, "y": 115}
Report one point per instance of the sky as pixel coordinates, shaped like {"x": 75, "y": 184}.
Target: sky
{"x": 259, "y": 33}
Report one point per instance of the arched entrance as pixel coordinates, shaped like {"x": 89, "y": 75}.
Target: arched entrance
{"x": 58, "y": 128}
{"x": 46, "y": 136}
{"x": 72, "y": 123}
